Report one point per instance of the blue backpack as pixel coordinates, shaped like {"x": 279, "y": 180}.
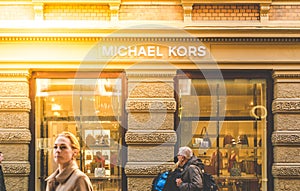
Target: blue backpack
{"x": 159, "y": 181}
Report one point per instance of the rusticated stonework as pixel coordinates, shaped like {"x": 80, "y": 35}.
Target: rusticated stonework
{"x": 12, "y": 155}
{"x": 142, "y": 174}
{"x": 15, "y": 136}
{"x": 20, "y": 104}
{"x": 140, "y": 183}
{"x": 16, "y": 175}
{"x": 15, "y": 167}
{"x": 151, "y": 121}
{"x": 14, "y": 89}
{"x": 279, "y": 106}
{"x": 150, "y": 136}
{"x": 287, "y": 154}
{"x": 287, "y": 90}
{"x": 19, "y": 183}
{"x": 159, "y": 153}
{"x": 285, "y": 170}
{"x": 146, "y": 137}
{"x": 147, "y": 168}
{"x": 17, "y": 120}
{"x": 289, "y": 122}
{"x": 286, "y": 138}
{"x": 284, "y": 184}
{"x": 157, "y": 105}
{"x": 150, "y": 89}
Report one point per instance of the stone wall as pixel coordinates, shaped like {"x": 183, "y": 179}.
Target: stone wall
{"x": 14, "y": 128}
{"x": 286, "y": 135}
{"x": 150, "y": 136}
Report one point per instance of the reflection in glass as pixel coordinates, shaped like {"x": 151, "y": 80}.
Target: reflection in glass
{"x": 230, "y": 116}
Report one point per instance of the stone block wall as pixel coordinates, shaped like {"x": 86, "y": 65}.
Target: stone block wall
{"x": 150, "y": 136}
{"x": 14, "y": 128}
{"x": 286, "y": 135}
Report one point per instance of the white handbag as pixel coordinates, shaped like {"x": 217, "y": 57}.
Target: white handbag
{"x": 99, "y": 172}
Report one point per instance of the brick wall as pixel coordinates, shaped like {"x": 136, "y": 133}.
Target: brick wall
{"x": 200, "y": 12}
{"x": 151, "y": 12}
{"x": 16, "y": 12}
{"x": 285, "y": 12}
{"x": 226, "y": 12}
{"x": 76, "y": 12}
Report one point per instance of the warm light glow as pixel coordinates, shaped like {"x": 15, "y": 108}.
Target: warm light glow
{"x": 55, "y": 107}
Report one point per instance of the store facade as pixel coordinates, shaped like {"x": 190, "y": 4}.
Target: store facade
{"x": 134, "y": 92}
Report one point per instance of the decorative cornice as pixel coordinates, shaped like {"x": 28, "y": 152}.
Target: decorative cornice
{"x": 144, "y": 39}
{"x": 264, "y": 9}
{"x": 224, "y": 2}
{"x": 285, "y": 170}
{"x": 150, "y": 105}
{"x": 148, "y": 137}
{"x": 15, "y": 104}
{"x": 15, "y": 136}
{"x": 286, "y": 138}
{"x": 12, "y": 168}
{"x": 77, "y": 1}
{"x": 15, "y": 74}
{"x": 289, "y": 76}
{"x": 286, "y": 106}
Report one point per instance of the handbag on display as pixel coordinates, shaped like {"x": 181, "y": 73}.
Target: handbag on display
{"x": 205, "y": 141}
{"x": 243, "y": 140}
{"x": 99, "y": 172}
{"x": 90, "y": 140}
{"x": 214, "y": 163}
{"x": 227, "y": 140}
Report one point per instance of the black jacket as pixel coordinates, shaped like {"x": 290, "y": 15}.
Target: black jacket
{"x": 191, "y": 175}
{"x": 2, "y": 184}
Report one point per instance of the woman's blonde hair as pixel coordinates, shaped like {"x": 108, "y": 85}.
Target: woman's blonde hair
{"x": 74, "y": 141}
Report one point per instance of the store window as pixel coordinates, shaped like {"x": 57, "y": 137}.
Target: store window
{"x": 90, "y": 109}
{"x": 224, "y": 122}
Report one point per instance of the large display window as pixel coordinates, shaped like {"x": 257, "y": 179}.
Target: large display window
{"x": 224, "y": 121}
{"x": 92, "y": 110}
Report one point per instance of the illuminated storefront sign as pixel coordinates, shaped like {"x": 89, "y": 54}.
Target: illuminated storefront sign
{"x": 153, "y": 51}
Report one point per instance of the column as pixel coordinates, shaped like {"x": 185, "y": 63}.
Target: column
{"x": 114, "y": 12}
{"x": 187, "y": 8}
{"x": 14, "y": 128}
{"x": 264, "y": 12}
{"x": 286, "y": 135}
{"x": 150, "y": 136}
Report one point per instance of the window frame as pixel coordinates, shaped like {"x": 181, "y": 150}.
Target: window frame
{"x": 78, "y": 75}
{"x": 235, "y": 74}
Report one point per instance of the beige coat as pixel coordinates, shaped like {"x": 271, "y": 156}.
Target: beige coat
{"x": 70, "y": 179}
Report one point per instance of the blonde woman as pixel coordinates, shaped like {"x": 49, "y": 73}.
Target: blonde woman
{"x": 67, "y": 177}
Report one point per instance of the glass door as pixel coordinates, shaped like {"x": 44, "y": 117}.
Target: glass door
{"x": 90, "y": 109}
